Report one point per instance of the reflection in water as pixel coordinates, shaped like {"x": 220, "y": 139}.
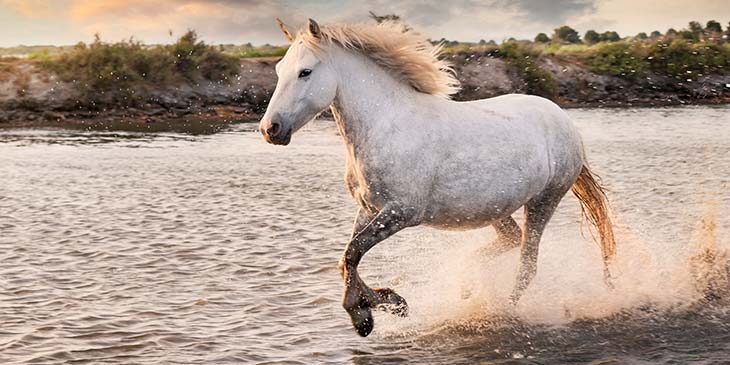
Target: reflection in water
{"x": 221, "y": 249}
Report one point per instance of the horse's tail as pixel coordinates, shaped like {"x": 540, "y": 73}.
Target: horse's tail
{"x": 595, "y": 209}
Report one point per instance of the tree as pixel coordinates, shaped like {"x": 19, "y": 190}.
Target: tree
{"x": 695, "y": 28}
{"x": 713, "y": 26}
{"x": 727, "y": 31}
{"x": 592, "y": 37}
{"x": 566, "y": 34}
{"x": 642, "y": 36}
{"x": 394, "y": 18}
{"x": 610, "y": 36}
{"x": 671, "y": 32}
{"x": 542, "y": 38}
{"x": 385, "y": 18}
{"x": 655, "y": 34}
{"x": 689, "y": 35}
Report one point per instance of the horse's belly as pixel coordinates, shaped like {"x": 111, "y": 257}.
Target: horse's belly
{"x": 456, "y": 225}
{"x": 477, "y": 199}
{"x": 472, "y": 214}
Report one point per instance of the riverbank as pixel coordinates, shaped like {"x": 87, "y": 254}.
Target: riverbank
{"x": 33, "y": 96}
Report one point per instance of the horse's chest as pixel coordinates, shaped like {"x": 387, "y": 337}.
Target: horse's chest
{"x": 367, "y": 185}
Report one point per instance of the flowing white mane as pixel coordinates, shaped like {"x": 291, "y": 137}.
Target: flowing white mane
{"x": 407, "y": 55}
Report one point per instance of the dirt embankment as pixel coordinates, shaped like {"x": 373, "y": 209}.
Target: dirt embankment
{"x": 30, "y": 96}
{"x": 486, "y": 76}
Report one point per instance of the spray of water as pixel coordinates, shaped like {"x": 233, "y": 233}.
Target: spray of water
{"x": 451, "y": 284}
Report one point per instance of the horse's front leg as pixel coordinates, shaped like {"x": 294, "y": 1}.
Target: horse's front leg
{"x": 358, "y": 299}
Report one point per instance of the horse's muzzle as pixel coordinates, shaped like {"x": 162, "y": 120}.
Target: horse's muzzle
{"x": 281, "y": 140}
{"x": 274, "y": 133}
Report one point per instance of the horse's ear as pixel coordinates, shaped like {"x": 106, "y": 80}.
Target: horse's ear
{"x": 314, "y": 29}
{"x": 285, "y": 30}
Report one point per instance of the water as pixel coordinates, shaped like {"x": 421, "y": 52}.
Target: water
{"x": 170, "y": 248}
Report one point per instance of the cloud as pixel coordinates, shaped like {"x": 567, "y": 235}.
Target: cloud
{"x": 33, "y": 9}
{"x": 551, "y": 11}
{"x": 241, "y": 21}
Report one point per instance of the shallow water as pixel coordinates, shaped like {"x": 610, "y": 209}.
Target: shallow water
{"x": 168, "y": 248}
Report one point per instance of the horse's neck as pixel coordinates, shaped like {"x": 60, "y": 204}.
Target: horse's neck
{"x": 370, "y": 103}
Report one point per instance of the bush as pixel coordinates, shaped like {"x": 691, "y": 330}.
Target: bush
{"x": 617, "y": 59}
{"x": 523, "y": 59}
{"x": 679, "y": 57}
{"x": 118, "y": 71}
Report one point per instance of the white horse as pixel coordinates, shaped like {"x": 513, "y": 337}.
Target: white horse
{"x": 414, "y": 157}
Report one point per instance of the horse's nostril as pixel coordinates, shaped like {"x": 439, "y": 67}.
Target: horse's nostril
{"x": 273, "y": 129}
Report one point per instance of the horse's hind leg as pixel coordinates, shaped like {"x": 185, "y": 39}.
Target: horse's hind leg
{"x": 538, "y": 212}
{"x": 509, "y": 236}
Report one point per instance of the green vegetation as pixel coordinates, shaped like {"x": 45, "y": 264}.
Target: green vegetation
{"x": 683, "y": 55}
{"x": 524, "y": 60}
{"x": 566, "y": 34}
{"x": 591, "y": 37}
{"x": 542, "y": 38}
{"x": 120, "y": 70}
{"x": 616, "y": 59}
{"x": 249, "y": 51}
{"x": 682, "y": 58}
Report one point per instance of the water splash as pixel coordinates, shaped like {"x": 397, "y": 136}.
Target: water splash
{"x": 450, "y": 284}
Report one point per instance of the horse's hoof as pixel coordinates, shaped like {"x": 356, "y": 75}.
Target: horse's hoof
{"x": 391, "y": 302}
{"x": 362, "y": 320}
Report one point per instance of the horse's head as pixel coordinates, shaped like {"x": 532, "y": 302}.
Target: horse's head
{"x": 307, "y": 85}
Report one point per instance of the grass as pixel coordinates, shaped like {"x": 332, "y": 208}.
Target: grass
{"x": 248, "y": 51}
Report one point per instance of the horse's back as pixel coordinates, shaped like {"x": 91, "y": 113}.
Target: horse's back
{"x": 496, "y": 154}
{"x": 563, "y": 142}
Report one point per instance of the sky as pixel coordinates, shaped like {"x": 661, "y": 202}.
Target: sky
{"x": 66, "y": 22}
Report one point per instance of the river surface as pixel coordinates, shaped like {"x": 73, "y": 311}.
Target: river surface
{"x": 134, "y": 248}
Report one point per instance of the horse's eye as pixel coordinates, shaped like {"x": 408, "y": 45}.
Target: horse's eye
{"x": 304, "y": 73}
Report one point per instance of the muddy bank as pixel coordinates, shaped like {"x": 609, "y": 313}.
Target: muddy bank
{"x": 33, "y": 97}
{"x": 484, "y": 76}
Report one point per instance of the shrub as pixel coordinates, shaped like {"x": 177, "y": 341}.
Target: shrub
{"x": 616, "y": 59}
{"x": 523, "y": 59}
{"x": 679, "y": 57}
{"x": 116, "y": 72}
